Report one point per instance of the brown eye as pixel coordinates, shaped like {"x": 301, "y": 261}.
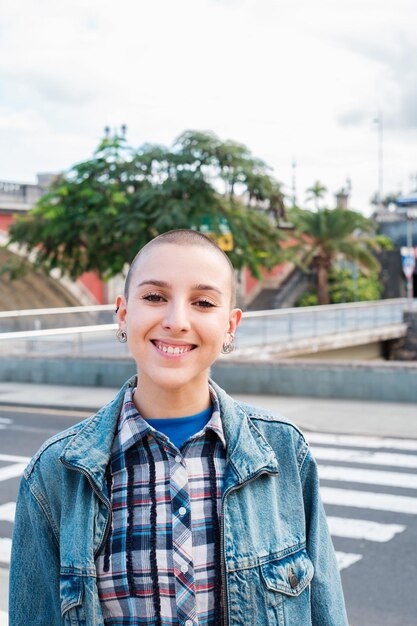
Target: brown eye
{"x": 153, "y": 297}
{"x": 204, "y": 304}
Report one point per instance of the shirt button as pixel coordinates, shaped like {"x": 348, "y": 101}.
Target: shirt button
{"x": 184, "y": 569}
{"x": 178, "y": 459}
{"x": 182, "y": 510}
{"x": 189, "y": 622}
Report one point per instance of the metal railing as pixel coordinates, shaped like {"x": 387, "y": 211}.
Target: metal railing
{"x": 44, "y": 331}
{"x": 63, "y": 317}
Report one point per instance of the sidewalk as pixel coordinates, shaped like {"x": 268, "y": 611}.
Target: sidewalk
{"x": 386, "y": 419}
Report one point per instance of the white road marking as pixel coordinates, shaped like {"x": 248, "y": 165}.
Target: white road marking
{"x": 45, "y": 411}
{"x": 369, "y": 500}
{"x": 364, "y": 456}
{"x": 346, "y": 559}
{"x": 363, "y": 529}
{"x": 13, "y": 458}
{"x": 11, "y": 471}
{"x": 361, "y": 441}
{"x": 372, "y": 477}
{"x": 4, "y": 618}
{"x": 5, "y": 420}
{"x": 5, "y": 549}
{"x": 7, "y": 512}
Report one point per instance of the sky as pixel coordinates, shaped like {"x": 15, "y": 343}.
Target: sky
{"x": 296, "y": 81}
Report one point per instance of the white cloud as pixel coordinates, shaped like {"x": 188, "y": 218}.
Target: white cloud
{"x": 289, "y": 79}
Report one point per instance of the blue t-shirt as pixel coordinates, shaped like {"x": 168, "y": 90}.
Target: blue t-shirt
{"x": 179, "y": 429}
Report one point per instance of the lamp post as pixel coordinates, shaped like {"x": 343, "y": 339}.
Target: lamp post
{"x": 378, "y": 120}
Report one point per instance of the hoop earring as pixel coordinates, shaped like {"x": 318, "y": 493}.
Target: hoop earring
{"x": 228, "y": 345}
{"x": 121, "y": 335}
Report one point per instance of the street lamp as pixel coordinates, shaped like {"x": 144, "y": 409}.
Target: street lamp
{"x": 378, "y": 120}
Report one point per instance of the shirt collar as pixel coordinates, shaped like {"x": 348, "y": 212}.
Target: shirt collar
{"x": 132, "y": 427}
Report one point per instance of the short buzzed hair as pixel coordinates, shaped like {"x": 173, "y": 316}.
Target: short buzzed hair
{"x": 183, "y": 237}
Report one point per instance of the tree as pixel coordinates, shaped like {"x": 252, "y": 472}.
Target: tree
{"x": 387, "y": 201}
{"x": 329, "y": 235}
{"x": 345, "y": 286}
{"x": 98, "y": 214}
{"x": 316, "y": 193}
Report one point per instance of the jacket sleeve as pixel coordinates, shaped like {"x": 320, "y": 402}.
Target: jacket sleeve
{"x": 327, "y": 601}
{"x": 34, "y": 596}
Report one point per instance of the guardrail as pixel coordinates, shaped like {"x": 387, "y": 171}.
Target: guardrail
{"x": 45, "y": 332}
{"x": 63, "y": 317}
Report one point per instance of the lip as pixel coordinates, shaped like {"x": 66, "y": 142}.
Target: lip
{"x": 172, "y": 349}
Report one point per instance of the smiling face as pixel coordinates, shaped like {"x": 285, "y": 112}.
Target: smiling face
{"x": 177, "y": 315}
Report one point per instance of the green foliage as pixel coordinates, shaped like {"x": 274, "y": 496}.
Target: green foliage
{"x": 387, "y": 200}
{"x": 385, "y": 242}
{"x": 98, "y": 214}
{"x": 329, "y": 235}
{"x": 308, "y": 298}
{"x": 344, "y": 287}
{"x": 347, "y": 285}
{"x": 315, "y": 193}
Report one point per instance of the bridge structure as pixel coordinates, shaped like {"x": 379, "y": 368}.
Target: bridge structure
{"x": 337, "y": 351}
{"x": 262, "y": 335}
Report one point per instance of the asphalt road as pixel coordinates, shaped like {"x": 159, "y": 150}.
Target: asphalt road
{"x": 369, "y": 486}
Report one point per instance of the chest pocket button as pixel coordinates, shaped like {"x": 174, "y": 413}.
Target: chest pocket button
{"x": 293, "y": 579}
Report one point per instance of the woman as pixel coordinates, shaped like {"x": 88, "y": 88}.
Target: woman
{"x": 174, "y": 504}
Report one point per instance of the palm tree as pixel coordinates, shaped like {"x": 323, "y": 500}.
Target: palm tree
{"x": 329, "y": 235}
{"x": 316, "y": 193}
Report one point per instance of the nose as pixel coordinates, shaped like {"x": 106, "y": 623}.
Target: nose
{"x": 176, "y": 318}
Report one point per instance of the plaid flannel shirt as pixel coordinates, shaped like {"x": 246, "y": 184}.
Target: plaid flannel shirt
{"x": 161, "y": 562}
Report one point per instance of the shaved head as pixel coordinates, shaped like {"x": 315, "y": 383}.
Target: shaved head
{"x": 186, "y": 238}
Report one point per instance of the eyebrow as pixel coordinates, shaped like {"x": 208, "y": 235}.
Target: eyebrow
{"x": 164, "y": 285}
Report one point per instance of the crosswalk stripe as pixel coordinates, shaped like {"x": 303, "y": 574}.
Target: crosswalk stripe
{"x": 10, "y": 471}
{"x": 350, "y": 528}
{"x": 364, "y": 456}
{"x": 7, "y": 512}
{"x": 5, "y": 549}
{"x": 361, "y": 441}
{"x": 14, "y": 459}
{"x": 346, "y": 559}
{"x": 5, "y": 420}
{"x": 372, "y": 477}
{"x": 369, "y": 500}
{"x": 4, "y": 618}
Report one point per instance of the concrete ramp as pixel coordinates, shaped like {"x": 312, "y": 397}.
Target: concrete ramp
{"x": 32, "y": 291}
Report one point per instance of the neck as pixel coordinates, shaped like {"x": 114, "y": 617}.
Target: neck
{"x": 152, "y": 401}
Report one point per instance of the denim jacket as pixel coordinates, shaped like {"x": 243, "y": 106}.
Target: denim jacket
{"x": 278, "y": 562}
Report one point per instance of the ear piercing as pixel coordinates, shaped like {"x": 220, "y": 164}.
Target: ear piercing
{"x": 121, "y": 335}
{"x": 229, "y": 345}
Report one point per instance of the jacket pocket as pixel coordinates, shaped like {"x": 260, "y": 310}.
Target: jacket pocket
{"x": 289, "y": 575}
{"x": 72, "y": 593}
{"x": 287, "y": 581}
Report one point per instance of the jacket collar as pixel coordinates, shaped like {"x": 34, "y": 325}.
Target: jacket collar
{"x": 248, "y": 451}
{"x": 90, "y": 449}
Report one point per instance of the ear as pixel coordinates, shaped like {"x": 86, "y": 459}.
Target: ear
{"x": 234, "y": 320}
{"x": 121, "y": 308}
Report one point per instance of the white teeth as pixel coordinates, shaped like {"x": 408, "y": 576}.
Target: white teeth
{"x": 171, "y": 349}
